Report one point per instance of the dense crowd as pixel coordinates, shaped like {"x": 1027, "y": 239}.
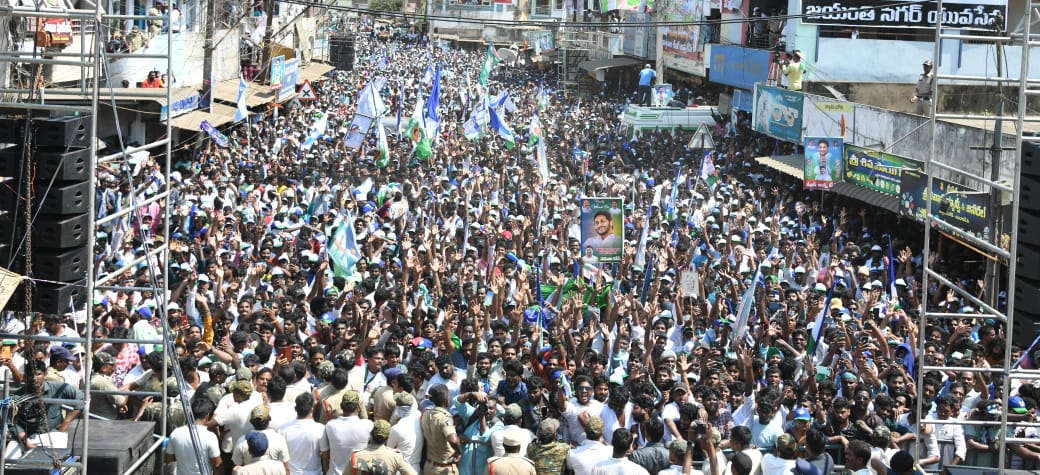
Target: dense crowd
{"x": 469, "y": 337}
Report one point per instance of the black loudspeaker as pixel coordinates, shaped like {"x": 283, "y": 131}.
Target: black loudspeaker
{"x": 71, "y": 131}
{"x": 39, "y": 461}
{"x": 115, "y": 446}
{"x": 66, "y": 230}
{"x": 71, "y": 165}
{"x": 61, "y": 166}
{"x": 1027, "y": 255}
{"x": 12, "y": 129}
{"x": 341, "y": 52}
{"x": 51, "y": 298}
{"x": 62, "y": 198}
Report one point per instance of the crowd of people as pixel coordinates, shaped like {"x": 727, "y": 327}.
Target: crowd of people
{"x": 470, "y": 338}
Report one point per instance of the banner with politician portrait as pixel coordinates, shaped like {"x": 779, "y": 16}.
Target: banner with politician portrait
{"x": 824, "y": 158}
{"x": 602, "y": 230}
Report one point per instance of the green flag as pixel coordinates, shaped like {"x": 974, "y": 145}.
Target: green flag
{"x": 383, "y": 157}
{"x": 490, "y": 61}
{"x": 417, "y": 132}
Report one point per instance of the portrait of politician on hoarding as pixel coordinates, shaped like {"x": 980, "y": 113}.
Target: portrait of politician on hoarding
{"x": 823, "y": 162}
{"x": 602, "y": 229}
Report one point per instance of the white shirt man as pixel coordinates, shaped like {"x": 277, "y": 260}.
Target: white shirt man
{"x": 345, "y": 435}
{"x": 181, "y": 447}
{"x": 611, "y": 420}
{"x": 306, "y": 440}
{"x": 621, "y": 466}
{"x": 514, "y": 414}
{"x": 575, "y": 409}
{"x": 583, "y": 458}
{"x": 406, "y": 434}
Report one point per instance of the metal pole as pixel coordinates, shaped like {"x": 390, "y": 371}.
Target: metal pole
{"x": 207, "y": 58}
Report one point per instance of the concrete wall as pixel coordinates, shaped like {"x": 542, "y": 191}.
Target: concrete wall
{"x": 953, "y": 98}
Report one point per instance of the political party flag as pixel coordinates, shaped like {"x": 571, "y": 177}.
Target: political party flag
{"x": 343, "y": 249}
{"x": 501, "y": 129}
{"x": 543, "y": 161}
{"x": 816, "y": 335}
{"x": 471, "y": 128}
{"x": 383, "y": 157}
{"x": 242, "y": 111}
{"x": 220, "y": 139}
{"x": 433, "y": 120}
{"x": 708, "y": 170}
{"x": 416, "y": 130}
{"x": 503, "y": 101}
{"x": 316, "y": 132}
{"x": 534, "y": 130}
{"x": 640, "y": 262}
{"x": 490, "y": 61}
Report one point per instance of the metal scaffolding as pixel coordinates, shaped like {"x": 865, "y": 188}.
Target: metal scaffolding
{"x": 1003, "y": 187}
{"x": 93, "y": 59}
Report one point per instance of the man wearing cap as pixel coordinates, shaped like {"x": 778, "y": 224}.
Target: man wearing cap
{"x": 35, "y": 425}
{"x": 107, "y": 405}
{"x": 257, "y": 444}
{"x": 60, "y": 359}
{"x": 782, "y": 459}
{"x": 346, "y": 433}
{"x": 512, "y": 419}
{"x": 234, "y": 419}
{"x": 406, "y": 434}
{"x": 511, "y": 462}
{"x": 548, "y": 454}
{"x": 442, "y": 441}
{"x": 584, "y": 457}
{"x": 277, "y": 449}
{"x": 922, "y": 98}
{"x": 382, "y": 400}
{"x": 378, "y": 450}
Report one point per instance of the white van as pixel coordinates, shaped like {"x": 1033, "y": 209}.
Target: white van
{"x": 641, "y": 118}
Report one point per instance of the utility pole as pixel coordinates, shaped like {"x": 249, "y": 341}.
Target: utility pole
{"x": 207, "y": 59}
{"x": 265, "y": 47}
{"x": 994, "y": 219}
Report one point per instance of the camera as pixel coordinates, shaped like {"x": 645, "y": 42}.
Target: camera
{"x": 700, "y": 428}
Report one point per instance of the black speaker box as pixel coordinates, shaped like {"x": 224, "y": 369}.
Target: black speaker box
{"x": 72, "y": 165}
{"x": 12, "y": 129}
{"x": 54, "y": 298}
{"x": 115, "y": 446}
{"x": 62, "y": 198}
{"x": 1030, "y": 159}
{"x": 1028, "y": 225}
{"x": 72, "y": 131}
{"x": 1027, "y": 294}
{"x": 1027, "y": 262}
{"x": 64, "y": 265}
{"x": 50, "y": 231}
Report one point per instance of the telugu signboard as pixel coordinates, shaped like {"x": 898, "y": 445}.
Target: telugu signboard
{"x": 957, "y": 205}
{"x": 960, "y": 14}
{"x": 876, "y": 170}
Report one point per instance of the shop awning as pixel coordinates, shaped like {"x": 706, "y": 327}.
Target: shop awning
{"x": 256, "y": 94}
{"x": 793, "y": 165}
{"x": 616, "y": 62}
{"x": 314, "y": 72}
{"x": 220, "y": 115}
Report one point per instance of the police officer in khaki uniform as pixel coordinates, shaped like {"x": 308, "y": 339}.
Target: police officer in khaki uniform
{"x": 377, "y": 449}
{"x": 512, "y": 463}
{"x": 442, "y": 442}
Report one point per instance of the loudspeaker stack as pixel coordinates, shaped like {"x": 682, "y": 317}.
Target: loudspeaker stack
{"x": 60, "y": 166}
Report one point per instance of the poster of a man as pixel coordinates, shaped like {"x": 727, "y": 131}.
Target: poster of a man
{"x": 602, "y": 229}
{"x": 823, "y": 162}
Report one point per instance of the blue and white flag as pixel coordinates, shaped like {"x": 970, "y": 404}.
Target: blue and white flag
{"x": 242, "y": 111}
